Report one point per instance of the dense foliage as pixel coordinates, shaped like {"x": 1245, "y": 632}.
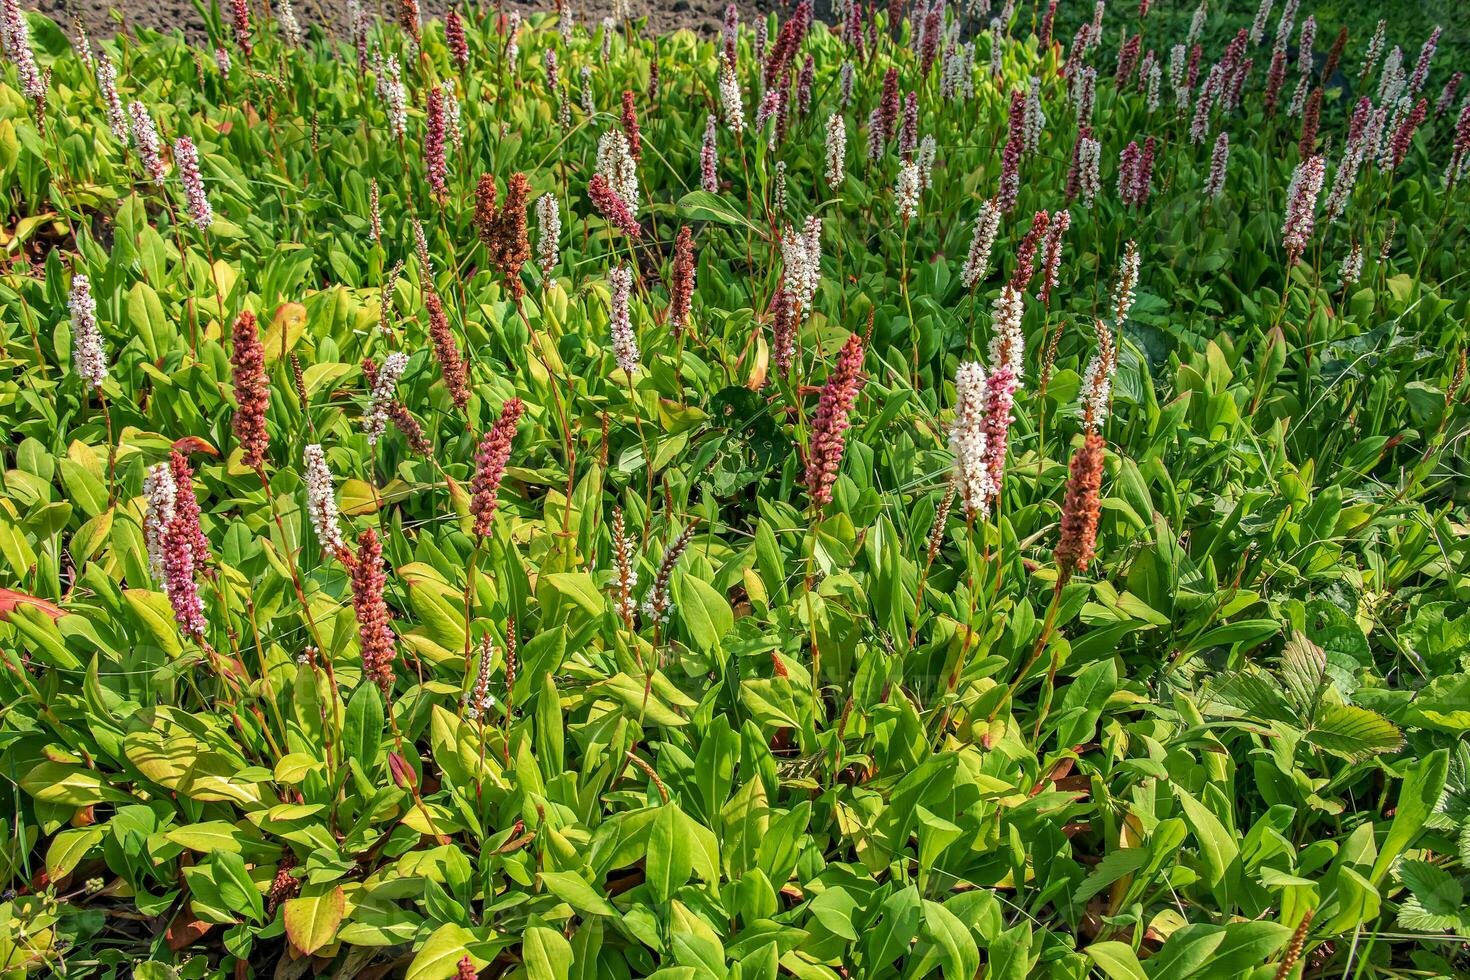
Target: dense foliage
{"x": 521, "y": 498}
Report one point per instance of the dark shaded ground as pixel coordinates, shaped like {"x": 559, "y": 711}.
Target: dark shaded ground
{"x": 664, "y": 16}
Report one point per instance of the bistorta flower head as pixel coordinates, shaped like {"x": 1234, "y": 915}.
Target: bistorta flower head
{"x": 321, "y": 502}
{"x": 1178, "y": 59}
{"x": 624, "y": 548}
{"x": 730, "y": 103}
{"x": 612, "y": 207}
{"x": 375, "y": 636}
{"x": 1421, "y": 68}
{"x": 1448, "y": 93}
{"x": 553, "y": 74}
{"x": 548, "y": 221}
{"x": 709, "y": 179}
{"x": 836, "y": 149}
{"x": 290, "y": 27}
{"x": 1080, "y": 508}
{"x": 1096, "y": 393}
{"x": 490, "y": 462}
{"x": 588, "y": 106}
{"x": 435, "y": 160}
{"x": 159, "y": 493}
{"x": 117, "y": 118}
{"x": 1154, "y": 85}
{"x": 1258, "y": 26}
{"x": 1123, "y": 290}
{"x": 801, "y": 256}
{"x": 630, "y": 126}
{"x": 1026, "y": 251}
{"x": 446, "y": 351}
{"x": 968, "y": 441}
{"x": 185, "y": 551}
{"x": 1343, "y": 181}
{"x": 357, "y": 26}
{"x": 620, "y": 320}
{"x": 615, "y": 164}
{"x": 478, "y": 701}
{"x": 830, "y": 422}
{"x": 804, "y": 83}
{"x": 252, "y": 390}
{"x": 186, "y": 157}
{"x": 87, "y": 357}
{"x": 1459, "y": 164}
{"x": 1285, "y": 24}
{"x": 906, "y": 192}
{"x": 452, "y": 115}
{"x": 1352, "y": 265}
{"x": 505, "y": 235}
{"x": 1393, "y": 81}
{"x": 1219, "y": 159}
{"x": 565, "y": 23}
{"x": 924, "y": 160}
{"x": 730, "y": 33}
{"x": 908, "y": 134}
{"x": 145, "y": 138}
{"x": 977, "y": 260}
{"x": 15, "y": 32}
{"x": 513, "y": 42}
{"x": 681, "y": 290}
{"x": 875, "y": 135}
{"x": 381, "y": 398}
{"x": 1197, "y": 22}
{"x": 658, "y": 603}
{"x": 1404, "y": 135}
{"x": 1051, "y": 250}
{"x": 375, "y": 222}
{"x": 1000, "y": 393}
{"x": 394, "y": 96}
{"x": 1301, "y": 207}
{"x": 1008, "y": 343}
{"x": 240, "y": 23}
{"x": 847, "y": 74}
{"x": 408, "y": 19}
{"x": 1374, "y": 49}
{"x": 1084, "y": 180}
{"x": 1084, "y": 94}
{"x": 1010, "y": 160}
{"x": 222, "y": 61}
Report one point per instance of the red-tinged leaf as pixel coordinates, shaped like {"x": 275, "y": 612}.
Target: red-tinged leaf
{"x": 185, "y": 931}
{"x": 194, "y": 444}
{"x": 9, "y": 599}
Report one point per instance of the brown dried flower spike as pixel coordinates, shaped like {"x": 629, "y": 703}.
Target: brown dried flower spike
{"x": 503, "y": 228}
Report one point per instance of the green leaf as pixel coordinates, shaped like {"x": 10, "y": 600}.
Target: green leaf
{"x": 312, "y": 919}
{"x": 670, "y": 854}
{"x": 1217, "y": 846}
{"x": 362, "y": 726}
{"x": 235, "y": 886}
{"x": 546, "y": 954}
{"x": 69, "y": 848}
{"x": 704, "y": 611}
{"x": 439, "y": 957}
{"x": 961, "y": 957}
{"x": 888, "y": 937}
{"x": 1354, "y": 733}
{"x": 1423, "y": 783}
{"x": 573, "y": 889}
{"x": 1116, "y": 960}
{"x": 57, "y": 782}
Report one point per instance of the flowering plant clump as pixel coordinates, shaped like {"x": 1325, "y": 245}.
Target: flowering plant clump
{"x": 881, "y": 490}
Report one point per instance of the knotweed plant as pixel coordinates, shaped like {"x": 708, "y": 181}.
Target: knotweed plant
{"x": 530, "y": 541}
